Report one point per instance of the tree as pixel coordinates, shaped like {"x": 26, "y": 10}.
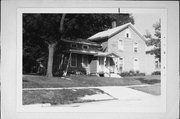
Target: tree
{"x": 155, "y": 41}
{"x": 42, "y": 33}
{"x": 43, "y": 29}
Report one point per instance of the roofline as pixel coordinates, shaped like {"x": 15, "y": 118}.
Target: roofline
{"x": 80, "y": 42}
{"x": 133, "y": 28}
{"x": 128, "y": 25}
{"x": 140, "y": 35}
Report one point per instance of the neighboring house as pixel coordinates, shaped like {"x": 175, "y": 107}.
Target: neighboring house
{"x": 107, "y": 53}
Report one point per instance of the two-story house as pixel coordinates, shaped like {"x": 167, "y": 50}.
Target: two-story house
{"x": 108, "y": 53}
{"x": 128, "y": 43}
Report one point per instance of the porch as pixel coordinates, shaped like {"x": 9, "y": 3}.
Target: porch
{"x": 107, "y": 65}
{"x": 91, "y": 63}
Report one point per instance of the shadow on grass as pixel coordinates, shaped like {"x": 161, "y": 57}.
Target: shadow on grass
{"x": 152, "y": 81}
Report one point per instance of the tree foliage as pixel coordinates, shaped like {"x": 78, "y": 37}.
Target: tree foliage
{"x": 155, "y": 40}
{"x": 42, "y": 30}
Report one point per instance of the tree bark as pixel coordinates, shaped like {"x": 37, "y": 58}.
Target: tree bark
{"x": 51, "y": 48}
{"x": 50, "y": 59}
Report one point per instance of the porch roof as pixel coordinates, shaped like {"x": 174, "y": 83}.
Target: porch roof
{"x": 90, "y": 52}
{"x": 107, "y": 54}
{"x": 81, "y": 41}
{"x": 95, "y": 53}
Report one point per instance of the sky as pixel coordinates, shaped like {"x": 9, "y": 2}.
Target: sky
{"x": 145, "y": 22}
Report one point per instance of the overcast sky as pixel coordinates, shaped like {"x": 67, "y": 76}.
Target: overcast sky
{"x": 144, "y": 22}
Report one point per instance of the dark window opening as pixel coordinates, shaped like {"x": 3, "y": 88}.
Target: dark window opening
{"x": 127, "y": 35}
{"x": 85, "y": 47}
{"x": 74, "y": 45}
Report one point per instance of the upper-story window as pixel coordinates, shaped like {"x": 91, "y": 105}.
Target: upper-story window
{"x": 127, "y": 33}
{"x": 85, "y": 47}
{"x": 74, "y": 45}
{"x": 135, "y": 48}
{"x": 120, "y": 44}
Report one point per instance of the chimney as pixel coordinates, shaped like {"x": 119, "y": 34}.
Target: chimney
{"x": 113, "y": 24}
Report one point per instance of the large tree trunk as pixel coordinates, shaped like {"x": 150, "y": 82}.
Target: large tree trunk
{"x": 51, "y": 48}
{"x": 50, "y": 59}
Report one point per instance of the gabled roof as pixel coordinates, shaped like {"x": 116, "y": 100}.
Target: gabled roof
{"x": 111, "y": 32}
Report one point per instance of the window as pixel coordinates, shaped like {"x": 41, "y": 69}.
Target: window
{"x": 73, "y": 60}
{"x": 136, "y": 64}
{"x": 120, "y": 64}
{"x": 127, "y": 33}
{"x": 85, "y": 47}
{"x": 74, "y": 45}
{"x": 120, "y": 45}
{"x": 135, "y": 48}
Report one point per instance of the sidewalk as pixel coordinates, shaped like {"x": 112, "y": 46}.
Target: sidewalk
{"x": 83, "y": 87}
{"x": 118, "y": 99}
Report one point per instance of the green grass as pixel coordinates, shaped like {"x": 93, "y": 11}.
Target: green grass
{"x": 55, "y": 97}
{"x": 154, "y": 89}
{"x": 30, "y": 81}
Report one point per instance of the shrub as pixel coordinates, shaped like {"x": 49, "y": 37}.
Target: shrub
{"x": 156, "y": 73}
{"x": 124, "y": 74}
{"x": 132, "y": 73}
{"x": 141, "y": 74}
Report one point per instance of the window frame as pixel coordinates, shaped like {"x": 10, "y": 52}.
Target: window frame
{"x": 122, "y": 45}
{"x": 122, "y": 64}
{"x": 135, "y": 60}
{"x": 85, "y": 46}
{"x": 135, "y": 46}
{"x": 74, "y": 44}
{"x": 127, "y": 32}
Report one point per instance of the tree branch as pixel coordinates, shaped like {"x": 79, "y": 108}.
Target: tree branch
{"x": 62, "y": 23}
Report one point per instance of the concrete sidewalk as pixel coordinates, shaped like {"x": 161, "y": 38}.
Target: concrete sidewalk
{"x": 127, "y": 99}
{"x": 117, "y": 97}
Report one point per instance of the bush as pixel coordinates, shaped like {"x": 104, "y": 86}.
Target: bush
{"x": 124, "y": 74}
{"x": 141, "y": 74}
{"x": 156, "y": 73}
{"x": 132, "y": 73}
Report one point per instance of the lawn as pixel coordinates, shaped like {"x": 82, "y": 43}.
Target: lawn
{"x": 58, "y": 97}
{"x": 69, "y": 96}
{"x": 153, "y": 89}
{"x": 30, "y": 81}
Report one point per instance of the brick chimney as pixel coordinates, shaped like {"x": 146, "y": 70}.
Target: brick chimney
{"x": 113, "y": 24}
